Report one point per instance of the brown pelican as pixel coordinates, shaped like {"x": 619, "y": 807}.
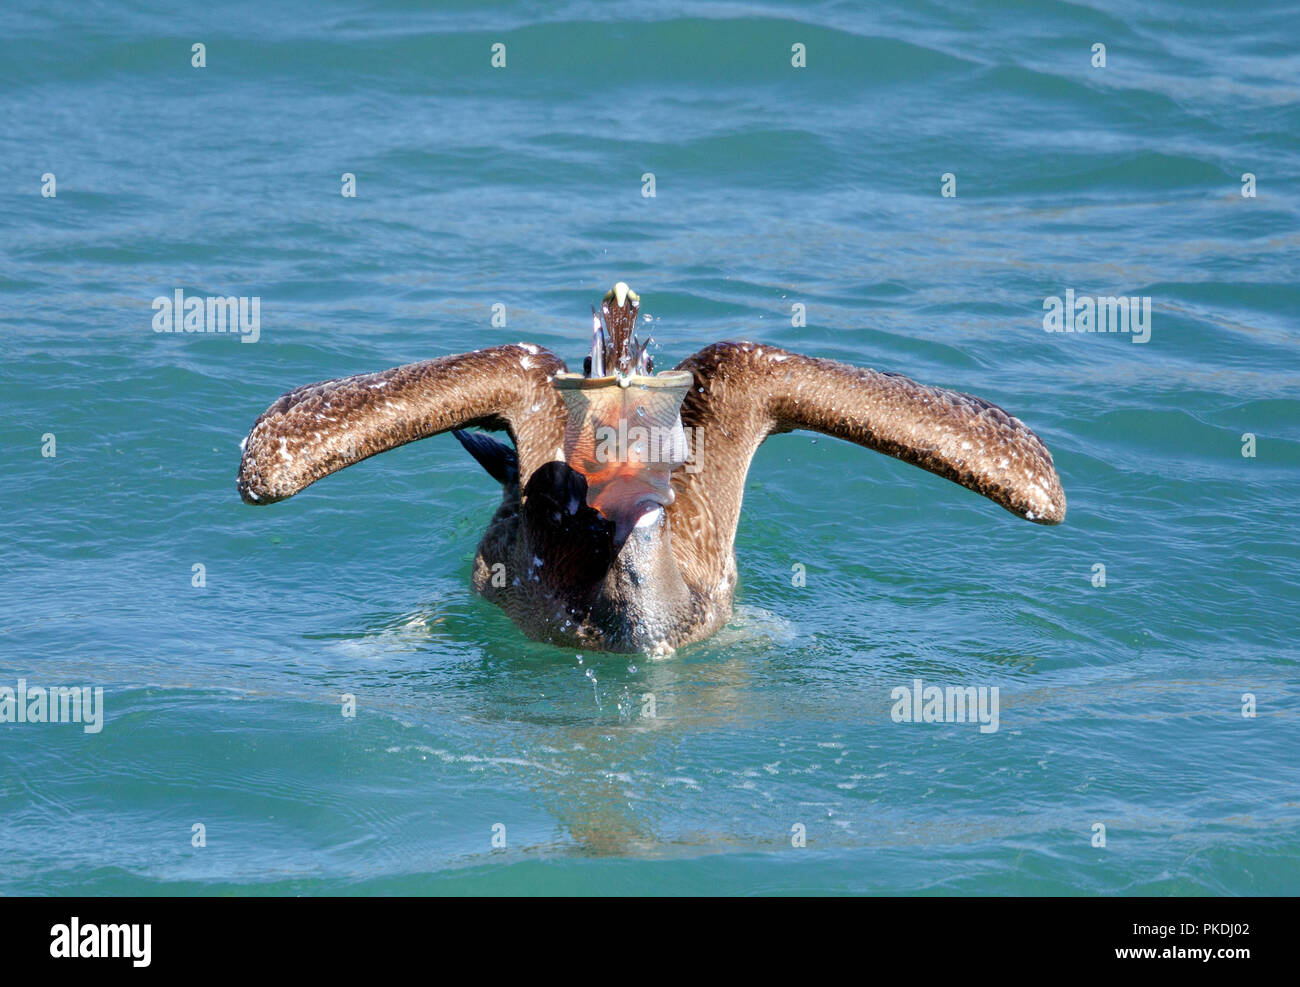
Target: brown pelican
{"x": 622, "y": 491}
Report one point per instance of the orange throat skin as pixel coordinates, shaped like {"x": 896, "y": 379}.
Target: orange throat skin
{"x": 624, "y": 435}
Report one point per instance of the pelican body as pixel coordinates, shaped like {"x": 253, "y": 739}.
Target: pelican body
{"x": 621, "y": 491}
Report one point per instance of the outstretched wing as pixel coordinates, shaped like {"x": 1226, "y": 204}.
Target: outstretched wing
{"x": 743, "y": 392}
{"x": 320, "y": 428}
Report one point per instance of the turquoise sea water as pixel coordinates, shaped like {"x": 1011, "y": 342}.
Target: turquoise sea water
{"x": 775, "y": 185}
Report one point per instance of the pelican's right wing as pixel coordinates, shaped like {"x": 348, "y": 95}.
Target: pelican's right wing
{"x": 744, "y": 392}
{"x": 320, "y": 428}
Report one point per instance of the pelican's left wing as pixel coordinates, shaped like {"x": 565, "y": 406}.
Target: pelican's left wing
{"x": 320, "y": 428}
{"x": 743, "y": 392}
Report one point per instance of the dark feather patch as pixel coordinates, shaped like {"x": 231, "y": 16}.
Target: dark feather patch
{"x": 501, "y": 462}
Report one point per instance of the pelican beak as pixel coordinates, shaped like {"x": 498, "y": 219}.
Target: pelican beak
{"x": 594, "y": 364}
{"x": 615, "y": 348}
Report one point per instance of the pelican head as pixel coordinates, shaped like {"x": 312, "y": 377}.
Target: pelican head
{"x": 615, "y": 349}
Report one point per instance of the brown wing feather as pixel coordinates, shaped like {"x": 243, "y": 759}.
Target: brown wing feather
{"x": 320, "y": 428}
{"x": 744, "y": 392}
